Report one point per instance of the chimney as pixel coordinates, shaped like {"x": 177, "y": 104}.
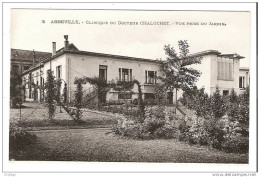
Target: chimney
{"x": 33, "y": 57}
{"x": 66, "y": 42}
{"x": 53, "y": 48}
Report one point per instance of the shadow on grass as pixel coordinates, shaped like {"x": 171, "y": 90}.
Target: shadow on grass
{"x": 67, "y": 123}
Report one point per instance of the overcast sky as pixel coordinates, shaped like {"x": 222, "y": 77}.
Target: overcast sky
{"x": 145, "y": 41}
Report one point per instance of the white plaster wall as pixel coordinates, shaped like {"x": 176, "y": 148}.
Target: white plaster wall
{"x": 88, "y": 66}
{"x": 246, "y": 74}
{"x": 223, "y": 84}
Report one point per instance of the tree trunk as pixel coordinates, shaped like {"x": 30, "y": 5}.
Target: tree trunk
{"x": 176, "y": 103}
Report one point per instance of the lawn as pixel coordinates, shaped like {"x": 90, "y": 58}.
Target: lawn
{"x": 35, "y": 117}
{"x": 99, "y": 144}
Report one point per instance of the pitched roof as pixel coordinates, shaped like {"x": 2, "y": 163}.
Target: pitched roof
{"x": 72, "y": 47}
{"x": 18, "y": 54}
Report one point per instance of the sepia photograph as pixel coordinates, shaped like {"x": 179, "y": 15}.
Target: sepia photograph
{"x": 130, "y": 86}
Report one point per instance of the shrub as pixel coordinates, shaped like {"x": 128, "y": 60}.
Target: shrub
{"x": 135, "y": 101}
{"x": 217, "y": 106}
{"x": 157, "y": 124}
{"x": 50, "y": 95}
{"x": 237, "y": 144}
{"x": 194, "y": 131}
{"x": 15, "y": 88}
{"x": 78, "y": 95}
{"x": 65, "y": 94}
{"x": 19, "y": 138}
{"x": 244, "y": 107}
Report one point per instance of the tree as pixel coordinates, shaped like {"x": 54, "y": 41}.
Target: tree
{"x": 57, "y": 90}
{"x": 244, "y": 106}
{"x": 65, "y": 94}
{"x": 233, "y": 105}
{"x": 78, "y": 97}
{"x": 15, "y": 88}
{"x": 50, "y": 95}
{"x": 218, "y": 107}
{"x": 201, "y": 103}
{"x": 176, "y": 71}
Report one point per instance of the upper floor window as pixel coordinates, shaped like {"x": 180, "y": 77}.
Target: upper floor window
{"x": 150, "y": 77}
{"x": 241, "y": 82}
{"x": 58, "y": 72}
{"x": 125, "y": 74}
{"x": 26, "y": 68}
{"x": 225, "y": 69}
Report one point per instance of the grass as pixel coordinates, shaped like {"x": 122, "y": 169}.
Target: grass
{"x": 103, "y": 146}
{"x": 35, "y": 116}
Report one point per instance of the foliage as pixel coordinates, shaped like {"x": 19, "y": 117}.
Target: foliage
{"x": 18, "y": 137}
{"x": 195, "y": 132}
{"x": 233, "y": 105}
{"x": 244, "y": 107}
{"x": 188, "y": 97}
{"x": 160, "y": 95}
{"x": 57, "y": 90}
{"x": 217, "y": 106}
{"x": 50, "y": 102}
{"x": 35, "y": 90}
{"x": 15, "y": 89}
{"x": 157, "y": 124}
{"x": 65, "y": 94}
{"x": 102, "y": 87}
{"x": 78, "y": 95}
{"x": 176, "y": 71}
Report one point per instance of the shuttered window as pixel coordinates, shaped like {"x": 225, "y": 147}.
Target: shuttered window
{"x": 225, "y": 68}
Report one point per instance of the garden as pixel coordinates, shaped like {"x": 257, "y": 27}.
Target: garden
{"x": 212, "y": 121}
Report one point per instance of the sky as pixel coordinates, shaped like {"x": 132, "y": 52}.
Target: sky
{"x": 145, "y": 41}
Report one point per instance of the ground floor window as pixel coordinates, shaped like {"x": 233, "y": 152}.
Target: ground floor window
{"x": 241, "y": 82}
{"x": 124, "y": 95}
{"x": 225, "y": 92}
{"x": 149, "y": 96}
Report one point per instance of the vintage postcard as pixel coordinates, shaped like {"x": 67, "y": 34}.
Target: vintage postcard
{"x": 143, "y": 89}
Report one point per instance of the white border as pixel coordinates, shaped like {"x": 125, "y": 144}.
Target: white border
{"x": 128, "y": 167}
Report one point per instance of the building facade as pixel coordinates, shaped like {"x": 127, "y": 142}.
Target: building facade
{"x": 244, "y": 78}
{"x": 22, "y": 60}
{"x": 69, "y": 63}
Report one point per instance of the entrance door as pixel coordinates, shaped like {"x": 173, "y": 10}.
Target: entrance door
{"x": 170, "y": 97}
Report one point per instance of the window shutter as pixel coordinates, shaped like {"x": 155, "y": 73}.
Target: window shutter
{"x": 130, "y": 74}
{"x": 155, "y": 76}
{"x": 146, "y": 77}
{"x": 119, "y": 74}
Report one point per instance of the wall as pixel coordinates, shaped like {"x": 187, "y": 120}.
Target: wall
{"x": 245, "y": 73}
{"x": 81, "y": 65}
{"x": 223, "y": 84}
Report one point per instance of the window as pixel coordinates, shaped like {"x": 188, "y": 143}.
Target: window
{"x": 225, "y": 69}
{"x": 225, "y": 92}
{"x": 150, "y": 77}
{"x": 103, "y": 72}
{"x": 149, "y": 96}
{"x": 125, "y": 74}
{"x": 124, "y": 95}
{"x": 58, "y": 72}
{"x": 241, "y": 82}
{"x": 26, "y": 68}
